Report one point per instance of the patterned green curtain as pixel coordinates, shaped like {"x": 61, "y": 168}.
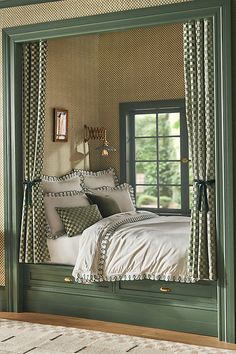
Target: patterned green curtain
{"x": 33, "y": 245}
{"x": 199, "y": 94}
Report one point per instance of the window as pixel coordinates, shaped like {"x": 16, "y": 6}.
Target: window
{"x": 154, "y": 154}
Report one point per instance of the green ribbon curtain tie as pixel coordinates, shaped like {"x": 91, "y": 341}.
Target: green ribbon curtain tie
{"x": 202, "y": 192}
{"x": 29, "y": 187}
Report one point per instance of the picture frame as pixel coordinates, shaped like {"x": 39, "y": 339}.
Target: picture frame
{"x": 60, "y": 129}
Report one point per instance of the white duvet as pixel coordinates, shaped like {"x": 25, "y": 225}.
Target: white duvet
{"x": 123, "y": 247}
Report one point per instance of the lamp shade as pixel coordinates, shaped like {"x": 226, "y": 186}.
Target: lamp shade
{"x": 96, "y": 133}
{"x": 105, "y": 148}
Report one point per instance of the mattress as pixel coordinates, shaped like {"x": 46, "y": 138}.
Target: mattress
{"x": 64, "y": 250}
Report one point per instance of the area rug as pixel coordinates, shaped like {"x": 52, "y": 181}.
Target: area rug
{"x": 23, "y": 337}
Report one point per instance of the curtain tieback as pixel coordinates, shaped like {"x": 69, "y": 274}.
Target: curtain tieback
{"x": 202, "y": 192}
{"x": 28, "y": 187}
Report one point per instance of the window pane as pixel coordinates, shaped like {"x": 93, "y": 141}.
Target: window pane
{"x": 146, "y": 173}
{"x": 145, "y": 149}
{"x": 169, "y": 124}
{"x": 170, "y": 197}
{"x": 169, "y": 148}
{"x": 145, "y": 124}
{"x": 169, "y": 173}
{"x": 146, "y": 196}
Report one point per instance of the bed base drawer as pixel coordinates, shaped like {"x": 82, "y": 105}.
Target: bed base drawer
{"x": 59, "y": 279}
{"x": 168, "y": 305}
{"x": 203, "y": 292}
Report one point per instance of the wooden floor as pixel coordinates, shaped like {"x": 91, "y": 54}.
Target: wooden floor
{"x": 117, "y": 328}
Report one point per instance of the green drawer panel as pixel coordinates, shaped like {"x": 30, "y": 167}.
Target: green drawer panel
{"x": 188, "y": 307}
{"x": 52, "y": 276}
{"x": 205, "y": 290}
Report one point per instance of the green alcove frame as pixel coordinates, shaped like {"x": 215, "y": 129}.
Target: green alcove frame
{"x": 12, "y": 40}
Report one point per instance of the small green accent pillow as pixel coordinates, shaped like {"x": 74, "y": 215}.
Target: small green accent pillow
{"x": 77, "y": 219}
{"x": 106, "y": 205}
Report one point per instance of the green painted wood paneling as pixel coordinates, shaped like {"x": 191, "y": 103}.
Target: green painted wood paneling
{"x": 136, "y": 302}
{"x": 51, "y": 278}
{"x": 220, "y": 10}
{"x": 185, "y": 292}
{"x": 116, "y": 21}
{"x": 173, "y": 317}
{"x": 13, "y": 169}
{"x": 224, "y": 175}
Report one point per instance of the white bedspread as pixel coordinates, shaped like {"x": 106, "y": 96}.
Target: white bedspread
{"x": 63, "y": 250}
{"x": 155, "y": 248}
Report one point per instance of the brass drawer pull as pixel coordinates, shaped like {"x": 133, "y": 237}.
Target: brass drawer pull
{"x": 165, "y": 290}
{"x": 69, "y": 280}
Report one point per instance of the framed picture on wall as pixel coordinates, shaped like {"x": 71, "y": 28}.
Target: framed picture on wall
{"x": 60, "y": 125}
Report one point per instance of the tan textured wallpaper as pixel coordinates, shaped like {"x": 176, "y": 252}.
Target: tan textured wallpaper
{"x": 72, "y": 84}
{"x": 91, "y": 75}
{"x": 44, "y": 12}
{"x": 137, "y": 65}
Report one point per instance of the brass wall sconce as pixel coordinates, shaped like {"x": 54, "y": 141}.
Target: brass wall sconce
{"x": 96, "y": 133}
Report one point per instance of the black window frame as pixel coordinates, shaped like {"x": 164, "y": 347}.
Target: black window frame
{"x": 128, "y": 110}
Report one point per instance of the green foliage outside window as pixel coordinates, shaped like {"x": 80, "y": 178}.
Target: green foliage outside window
{"x": 146, "y": 150}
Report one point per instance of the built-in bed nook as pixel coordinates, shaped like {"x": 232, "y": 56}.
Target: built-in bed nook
{"x": 120, "y": 140}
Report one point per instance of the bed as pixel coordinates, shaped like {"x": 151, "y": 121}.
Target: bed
{"x": 141, "y": 246}
{"x": 97, "y": 229}
{"x": 64, "y": 250}
{"x": 109, "y": 253}
{"x": 132, "y": 246}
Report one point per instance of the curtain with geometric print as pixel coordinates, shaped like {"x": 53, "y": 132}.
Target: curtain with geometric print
{"x": 199, "y": 96}
{"x": 33, "y": 243}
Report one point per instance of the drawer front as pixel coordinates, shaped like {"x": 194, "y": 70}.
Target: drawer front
{"x": 58, "y": 278}
{"x": 199, "y": 293}
{"x": 205, "y": 289}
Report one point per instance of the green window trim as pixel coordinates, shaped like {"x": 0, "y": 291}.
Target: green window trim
{"x": 128, "y": 111}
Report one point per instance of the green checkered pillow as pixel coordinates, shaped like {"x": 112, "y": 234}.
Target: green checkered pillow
{"x": 77, "y": 219}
